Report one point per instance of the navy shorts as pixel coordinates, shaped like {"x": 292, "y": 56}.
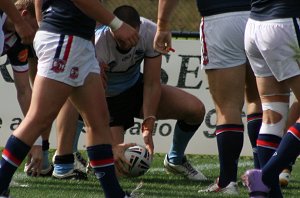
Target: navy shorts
{"x": 124, "y": 107}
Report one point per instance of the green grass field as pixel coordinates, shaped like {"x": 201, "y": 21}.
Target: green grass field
{"x": 156, "y": 183}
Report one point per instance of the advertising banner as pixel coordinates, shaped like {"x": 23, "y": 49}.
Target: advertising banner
{"x": 181, "y": 69}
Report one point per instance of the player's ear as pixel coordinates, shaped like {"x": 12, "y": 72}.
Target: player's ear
{"x": 23, "y": 12}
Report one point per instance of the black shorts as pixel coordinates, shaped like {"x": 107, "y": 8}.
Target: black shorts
{"x": 124, "y": 107}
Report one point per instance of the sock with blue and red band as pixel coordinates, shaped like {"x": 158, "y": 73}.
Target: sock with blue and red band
{"x": 12, "y": 156}
{"x": 230, "y": 139}
{"x": 101, "y": 160}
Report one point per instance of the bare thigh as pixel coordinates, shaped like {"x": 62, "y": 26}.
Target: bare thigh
{"x": 90, "y": 102}
{"x": 48, "y": 96}
{"x": 66, "y": 126}
{"x": 227, "y": 87}
{"x": 180, "y": 105}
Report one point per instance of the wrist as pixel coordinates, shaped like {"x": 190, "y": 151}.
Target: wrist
{"x": 162, "y": 25}
{"x": 115, "y": 24}
{"x": 148, "y": 123}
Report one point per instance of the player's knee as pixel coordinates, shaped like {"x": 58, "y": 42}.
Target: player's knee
{"x": 278, "y": 125}
{"x": 197, "y": 113}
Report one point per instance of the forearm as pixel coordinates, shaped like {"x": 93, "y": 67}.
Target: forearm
{"x": 23, "y": 91}
{"x": 9, "y": 8}
{"x": 152, "y": 93}
{"x": 165, "y": 10}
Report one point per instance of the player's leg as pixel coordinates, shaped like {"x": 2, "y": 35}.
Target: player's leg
{"x": 228, "y": 97}
{"x": 24, "y": 92}
{"x": 38, "y": 118}
{"x": 189, "y": 112}
{"x": 98, "y": 133}
{"x": 294, "y": 113}
{"x": 254, "y": 111}
{"x": 275, "y": 103}
{"x": 64, "y": 159}
{"x": 280, "y": 69}
{"x": 47, "y": 167}
{"x": 23, "y": 88}
{"x": 224, "y": 61}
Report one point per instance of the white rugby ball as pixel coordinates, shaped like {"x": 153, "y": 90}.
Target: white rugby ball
{"x": 140, "y": 160}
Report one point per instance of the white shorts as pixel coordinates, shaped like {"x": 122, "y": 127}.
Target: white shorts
{"x": 65, "y": 58}
{"x": 272, "y": 47}
{"x": 222, "y": 40}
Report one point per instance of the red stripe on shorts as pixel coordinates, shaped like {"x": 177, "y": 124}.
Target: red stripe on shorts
{"x": 68, "y": 48}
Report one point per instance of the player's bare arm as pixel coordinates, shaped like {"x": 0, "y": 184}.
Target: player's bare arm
{"x": 152, "y": 92}
{"x": 162, "y": 41}
{"x": 122, "y": 32}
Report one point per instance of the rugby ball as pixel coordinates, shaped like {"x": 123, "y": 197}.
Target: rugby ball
{"x": 140, "y": 160}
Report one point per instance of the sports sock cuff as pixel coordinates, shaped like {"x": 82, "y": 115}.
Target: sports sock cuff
{"x": 229, "y": 128}
{"x": 268, "y": 141}
{"x": 187, "y": 127}
{"x": 254, "y": 116}
{"x": 45, "y": 145}
{"x": 15, "y": 150}
{"x": 64, "y": 159}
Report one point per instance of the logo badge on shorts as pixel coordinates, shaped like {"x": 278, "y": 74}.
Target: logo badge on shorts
{"x": 23, "y": 55}
{"x": 74, "y": 73}
{"x": 58, "y": 65}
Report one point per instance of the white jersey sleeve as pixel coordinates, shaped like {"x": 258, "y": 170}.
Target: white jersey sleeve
{"x": 147, "y": 33}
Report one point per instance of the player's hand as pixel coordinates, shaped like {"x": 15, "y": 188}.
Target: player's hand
{"x": 126, "y": 36}
{"x": 25, "y": 32}
{"x": 33, "y": 165}
{"x": 120, "y": 161}
{"x": 163, "y": 41}
{"x": 147, "y": 130}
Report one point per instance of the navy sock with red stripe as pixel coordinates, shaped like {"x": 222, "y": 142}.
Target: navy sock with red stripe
{"x": 230, "y": 139}
{"x": 254, "y": 121}
{"x": 101, "y": 160}
{"x": 266, "y": 146}
{"x": 12, "y": 156}
{"x": 286, "y": 153}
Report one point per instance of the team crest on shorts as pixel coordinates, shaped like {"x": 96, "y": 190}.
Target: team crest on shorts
{"x": 58, "y": 65}
{"x": 74, "y": 73}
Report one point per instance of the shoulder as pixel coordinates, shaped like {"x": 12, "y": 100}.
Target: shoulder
{"x": 101, "y": 33}
{"x": 147, "y": 28}
{"x": 147, "y": 25}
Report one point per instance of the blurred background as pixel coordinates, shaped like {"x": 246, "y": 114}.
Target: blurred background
{"x": 186, "y": 17}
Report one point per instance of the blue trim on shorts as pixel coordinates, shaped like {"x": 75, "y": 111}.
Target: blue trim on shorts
{"x": 59, "y": 47}
{"x": 296, "y": 25}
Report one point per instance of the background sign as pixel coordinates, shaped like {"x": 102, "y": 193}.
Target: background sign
{"x": 180, "y": 69}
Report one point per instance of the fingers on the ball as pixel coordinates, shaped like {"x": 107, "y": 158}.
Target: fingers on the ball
{"x": 130, "y": 145}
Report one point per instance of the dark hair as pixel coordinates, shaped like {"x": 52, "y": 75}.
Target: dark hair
{"x": 128, "y": 14}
